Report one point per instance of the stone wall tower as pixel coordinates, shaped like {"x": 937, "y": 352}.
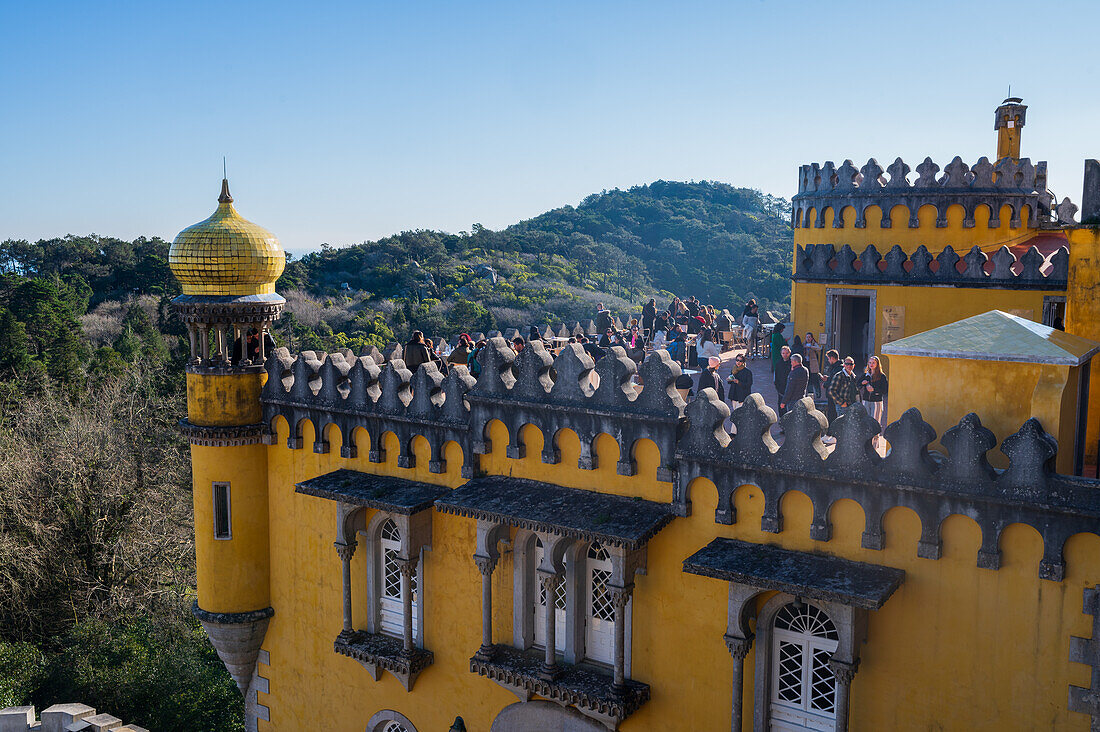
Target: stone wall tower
{"x": 1008, "y": 124}
{"x": 227, "y": 267}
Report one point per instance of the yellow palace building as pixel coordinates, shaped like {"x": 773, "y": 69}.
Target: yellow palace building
{"x": 567, "y": 546}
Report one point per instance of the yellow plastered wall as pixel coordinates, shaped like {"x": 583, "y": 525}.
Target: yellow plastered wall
{"x": 954, "y": 233}
{"x": 232, "y": 573}
{"x": 957, "y": 647}
{"x": 1083, "y": 316}
{"x": 223, "y": 400}
{"x": 925, "y": 307}
{"x": 1003, "y": 394}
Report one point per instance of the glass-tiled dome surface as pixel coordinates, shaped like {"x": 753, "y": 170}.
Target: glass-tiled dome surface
{"x": 226, "y": 255}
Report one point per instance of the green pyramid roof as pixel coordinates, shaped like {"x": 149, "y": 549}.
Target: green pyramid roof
{"x": 997, "y": 336}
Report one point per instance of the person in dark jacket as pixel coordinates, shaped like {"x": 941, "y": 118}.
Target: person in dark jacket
{"x": 832, "y": 365}
{"x": 593, "y": 351}
{"x": 461, "y": 354}
{"x": 662, "y": 322}
{"x": 249, "y": 347}
{"x": 416, "y": 352}
{"x": 797, "y": 382}
{"x": 604, "y": 321}
{"x": 782, "y": 372}
{"x": 709, "y": 379}
{"x": 741, "y": 382}
{"x": 649, "y": 317}
{"x": 723, "y": 322}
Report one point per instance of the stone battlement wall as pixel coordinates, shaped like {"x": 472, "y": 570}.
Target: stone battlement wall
{"x": 825, "y": 263}
{"x": 62, "y": 718}
{"x": 570, "y": 392}
{"x": 1017, "y": 184}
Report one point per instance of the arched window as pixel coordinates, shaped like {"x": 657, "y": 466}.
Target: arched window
{"x": 388, "y": 720}
{"x": 540, "y": 606}
{"x": 599, "y": 632}
{"x": 391, "y": 609}
{"x": 803, "y": 687}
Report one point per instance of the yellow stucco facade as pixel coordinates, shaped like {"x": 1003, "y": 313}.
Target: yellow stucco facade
{"x": 945, "y": 652}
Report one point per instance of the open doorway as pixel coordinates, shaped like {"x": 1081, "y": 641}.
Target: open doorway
{"x": 850, "y": 319}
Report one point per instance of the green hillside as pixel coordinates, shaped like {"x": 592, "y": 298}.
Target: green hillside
{"x": 709, "y": 239}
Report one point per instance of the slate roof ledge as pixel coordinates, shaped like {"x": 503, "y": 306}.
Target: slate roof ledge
{"x": 813, "y": 576}
{"x": 583, "y": 686}
{"x": 580, "y": 514}
{"x": 383, "y": 492}
{"x": 376, "y": 652}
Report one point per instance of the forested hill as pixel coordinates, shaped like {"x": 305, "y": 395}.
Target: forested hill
{"x": 709, "y": 239}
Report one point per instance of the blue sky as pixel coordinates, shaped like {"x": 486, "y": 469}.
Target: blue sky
{"x": 347, "y": 121}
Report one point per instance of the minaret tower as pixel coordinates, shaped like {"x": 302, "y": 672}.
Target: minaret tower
{"x": 1009, "y": 122}
{"x": 227, "y": 267}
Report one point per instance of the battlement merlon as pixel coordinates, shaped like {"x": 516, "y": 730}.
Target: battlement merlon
{"x": 557, "y": 395}
{"x": 1016, "y": 183}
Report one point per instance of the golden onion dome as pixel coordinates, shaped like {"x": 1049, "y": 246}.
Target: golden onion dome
{"x": 226, "y": 254}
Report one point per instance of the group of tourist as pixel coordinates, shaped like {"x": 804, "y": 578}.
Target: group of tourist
{"x": 799, "y": 368}
{"x": 798, "y": 371}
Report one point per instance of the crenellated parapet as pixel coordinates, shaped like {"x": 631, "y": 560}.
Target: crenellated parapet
{"x": 934, "y": 485}
{"x": 614, "y": 397}
{"x": 553, "y": 394}
{"x": 1016, "y": 183}
{"x": 826, "y": 263}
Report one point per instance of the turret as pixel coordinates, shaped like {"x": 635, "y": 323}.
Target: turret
{"x": 1008, "y": 123}
{"x": 227, "y": 267}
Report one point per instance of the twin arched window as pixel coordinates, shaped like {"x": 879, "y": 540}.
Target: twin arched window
{"x": 599, "y": 612}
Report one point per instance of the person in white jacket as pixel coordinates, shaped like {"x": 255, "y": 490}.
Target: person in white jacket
{"x": 706, "y": 347}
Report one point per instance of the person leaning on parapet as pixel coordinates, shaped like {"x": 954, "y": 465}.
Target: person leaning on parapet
{"x": 461, "y": 354}
{"x": 604, "y": 321}
{"x": 708, "y": 378}
{"x": 797, "y": 382}
{"x": 843, "y": 387}
{"x": 416, "y": 352}
{"x": 750, "y": 319}
{"x": 741, "y": 381}
{"x": 781, "y": 373}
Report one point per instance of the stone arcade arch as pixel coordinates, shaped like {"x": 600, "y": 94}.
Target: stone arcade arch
{"x": 543, "y": 716}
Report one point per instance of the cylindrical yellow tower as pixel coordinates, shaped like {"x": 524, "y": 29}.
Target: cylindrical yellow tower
{"x": 227, "y": 267}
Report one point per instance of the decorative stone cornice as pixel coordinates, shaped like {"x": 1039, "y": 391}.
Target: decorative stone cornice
{"x": 226, "y": 310}
{"x": 825, "y": 263}
{"x": 226, "y": 436}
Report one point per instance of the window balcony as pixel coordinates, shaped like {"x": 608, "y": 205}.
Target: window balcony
{"x": 377, "y": 652}
{"x": 589, "y": 688}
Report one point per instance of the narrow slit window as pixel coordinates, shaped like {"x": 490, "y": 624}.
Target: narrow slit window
{"x": 222, "y": 526}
